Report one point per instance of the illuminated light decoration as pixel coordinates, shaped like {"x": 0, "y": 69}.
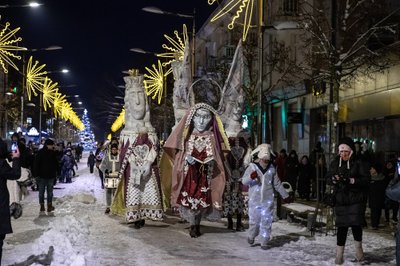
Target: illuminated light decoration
{"x": 109, "y": 136}
{"x": 49, "y": 91}
{"x": 65, "y": 110}
{"x": 154, "y": 81}
{"x": 119, "y": 122}
{"x": 58, "y": 101}
{"x": 176, "y": 49}
{"x": 8, "y": 45}
{"x": 34, "y": 77}
{"x": 238, "y": 7}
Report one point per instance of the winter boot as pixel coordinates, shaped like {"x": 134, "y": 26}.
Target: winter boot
{"x": 50, "y": 207}
{"x": 230, "y": 222}
{"x": 239, "y": 225}
{"x": 339, "y": 255}
{"x": 359, "y": 251}
{"x": 142, "y": 222}
{"x": 42, "y": 209}
{"x": 192, "y": 231}
{"x": 198, "y": 233}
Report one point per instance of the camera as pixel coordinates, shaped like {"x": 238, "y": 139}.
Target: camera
{"x": 14, "y": 146}
{"x": 343, "y": 178}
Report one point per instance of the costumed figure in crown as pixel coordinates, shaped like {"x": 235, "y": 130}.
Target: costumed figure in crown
{"x": 231, "y": 110}
{"x": 138, "y": 196}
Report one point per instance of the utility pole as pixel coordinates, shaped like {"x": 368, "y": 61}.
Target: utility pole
{"x": 261, "y": 70}
{"x": 333, "y": 107}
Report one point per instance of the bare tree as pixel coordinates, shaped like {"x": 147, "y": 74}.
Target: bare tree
{"x": 344, "y": 39}
{"x": 281, "y": 71}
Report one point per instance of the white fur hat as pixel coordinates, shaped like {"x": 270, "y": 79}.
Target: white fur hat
{"x": 264, "y": 151}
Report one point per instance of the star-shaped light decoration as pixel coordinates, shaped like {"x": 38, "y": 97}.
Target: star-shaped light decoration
{"x": 49, "y": 91}
{"x": 239, "y": 8}
{"x": 119, "y": 122}
{"x": 9, "y": 45}
{"x": 65, "y": 110}
{"x": 154, "y": 81}
{"x": 58, "y": 101}
{"x": 175, "y": 48}
{"x": 34, "y": 77}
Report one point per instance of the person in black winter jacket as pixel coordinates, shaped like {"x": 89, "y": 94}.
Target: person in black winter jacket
{"x": 376, "y": 197}
{"x": 6, "y": 172}
{"x": 305, "y": 175}
{"x": 46, "y": 169}
{"x": 349, "y": 177}
{"x": 91, "y": 161}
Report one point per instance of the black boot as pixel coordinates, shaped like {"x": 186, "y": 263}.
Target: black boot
{"x": 137, "y": 224}
{"x": 239, "y": 225}
{"x": 198, "y": 233}
{"x": 142, "y": 222}
{"x": 192, "y": 231}
{"x": 230, "y": 222}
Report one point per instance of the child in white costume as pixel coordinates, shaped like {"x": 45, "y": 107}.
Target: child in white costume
{"x": 261, "y": 177}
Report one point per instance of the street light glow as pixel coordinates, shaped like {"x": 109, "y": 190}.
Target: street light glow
{"x": 34, "y": 4}
{"x": 64, "y": 70}
{"x": 153, "y": 9}
{"x": 139, "y": 50}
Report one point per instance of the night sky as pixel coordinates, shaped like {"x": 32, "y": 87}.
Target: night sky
{"x": 96, "y": 37}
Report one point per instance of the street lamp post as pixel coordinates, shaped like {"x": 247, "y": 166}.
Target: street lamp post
{"x": 156, "y": 10}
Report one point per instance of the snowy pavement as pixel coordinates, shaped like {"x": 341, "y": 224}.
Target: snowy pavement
{"x": 81, "y": 234}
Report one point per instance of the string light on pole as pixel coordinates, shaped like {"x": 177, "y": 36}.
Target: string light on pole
{"x": 9, "y": 45}
{"x": 239, "y": 8}
{"x": 154, "y": 82}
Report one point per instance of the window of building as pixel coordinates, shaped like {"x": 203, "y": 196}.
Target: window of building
{"x": 290, "y": 7}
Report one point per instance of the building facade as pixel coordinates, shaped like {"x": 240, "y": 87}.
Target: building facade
{"x": 297, "y": 117}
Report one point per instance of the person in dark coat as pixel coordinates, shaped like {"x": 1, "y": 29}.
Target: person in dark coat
{"x": 349, "y": 177}
{"x": 91, "y": 161}
{"x": 318, "y": 161}
{"x": 6, "y": 172}
{"x": 376, "y": 195}
{"x": 46, "y": 169}
{"x": 390, "y": 205}
{"x": 292, "y": 170}
{"x": 305, "y": 175}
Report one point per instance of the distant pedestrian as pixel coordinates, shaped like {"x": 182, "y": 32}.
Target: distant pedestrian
{"x": 376, "y": 199}
{"x": 68, "y": 162}
{"x": 99, "y": 155}
{"x": 390, "y": 205}
{"x": 306, "y": 172}
{"x": 6, "y": 173}
{"x": 317, "y": 156}
{"x": 292, "y": 170}
{"x": 91, "y": 162}
{"x": 46, "y": 168}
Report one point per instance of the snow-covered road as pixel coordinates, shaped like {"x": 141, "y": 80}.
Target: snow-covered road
{"x": 81, "y": 234}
